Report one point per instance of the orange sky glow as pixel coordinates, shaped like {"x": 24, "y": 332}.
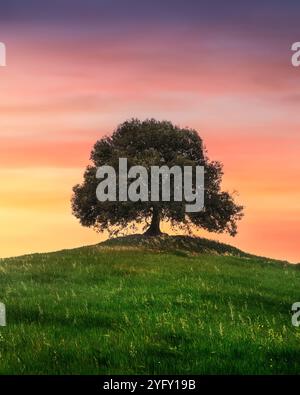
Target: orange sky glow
{"x": 58, "y": 95}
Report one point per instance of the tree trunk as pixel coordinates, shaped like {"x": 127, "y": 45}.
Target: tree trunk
{"x": 154, "y": 229}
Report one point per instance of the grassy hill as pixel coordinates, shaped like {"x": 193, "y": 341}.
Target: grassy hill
{"x": 153, "y": 306}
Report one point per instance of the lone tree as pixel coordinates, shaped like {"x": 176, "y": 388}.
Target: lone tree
{"x": 154, "y": 143}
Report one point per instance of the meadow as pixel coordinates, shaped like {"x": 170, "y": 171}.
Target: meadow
{"x": 178, "y": 306}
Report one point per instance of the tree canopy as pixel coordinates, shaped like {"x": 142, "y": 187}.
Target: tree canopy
{"x": 154, "y": 143}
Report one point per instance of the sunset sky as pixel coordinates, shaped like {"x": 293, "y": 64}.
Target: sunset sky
{"x": 76, "y": 69}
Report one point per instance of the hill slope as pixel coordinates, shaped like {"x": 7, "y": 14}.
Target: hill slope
{"x": 177, "y": 244}
{"x": 174, "y": 306}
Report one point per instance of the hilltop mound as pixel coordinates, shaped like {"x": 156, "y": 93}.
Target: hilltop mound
{"x": 175, "y": 243}
{"x": 149, "y": 305}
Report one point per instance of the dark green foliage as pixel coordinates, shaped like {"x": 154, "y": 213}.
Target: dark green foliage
{"x": 150, "y": 143}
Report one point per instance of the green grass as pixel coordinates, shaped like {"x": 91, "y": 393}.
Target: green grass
{"x": 121, "y": 307}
